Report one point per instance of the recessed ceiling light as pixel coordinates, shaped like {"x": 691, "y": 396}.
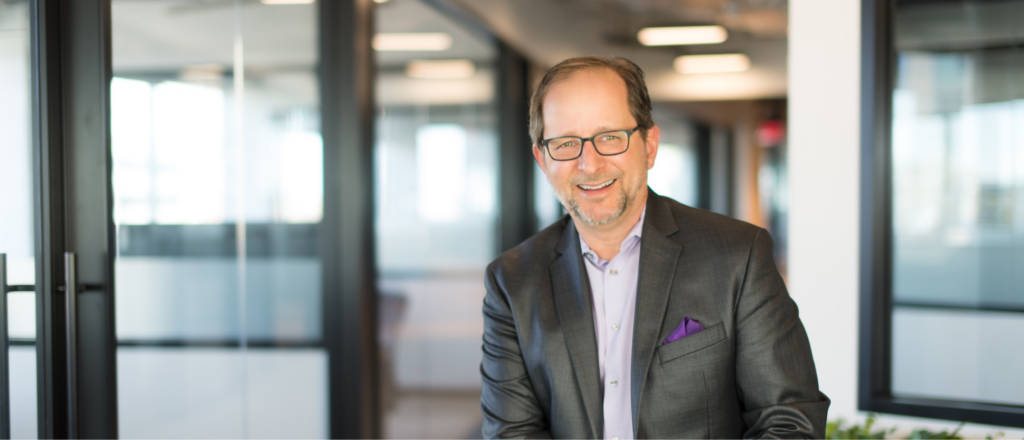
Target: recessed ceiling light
{"x": 412, "y": 42}
{"x": 380, "y": 1}
{"x": 682, "y": 35}
{"x": 287, "y": 2}
{"x": 440, "y": 69}
{"x": 721, "y": 63}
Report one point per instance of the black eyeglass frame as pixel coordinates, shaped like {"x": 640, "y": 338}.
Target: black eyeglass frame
{"x": 583, "y": 143}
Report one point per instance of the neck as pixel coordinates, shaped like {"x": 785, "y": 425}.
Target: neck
{"x": 606, "y": 240}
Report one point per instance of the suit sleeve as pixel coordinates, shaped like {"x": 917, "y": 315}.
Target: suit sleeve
{"x": 509, "y": 405}
{"x": 775, "y": 374}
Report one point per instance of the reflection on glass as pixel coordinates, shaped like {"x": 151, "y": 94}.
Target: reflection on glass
{"x": 218, "y": 193}
{"x": 17, "y": 219}
{"x": 436, "y": 219}
{"x": 958, "y": 201}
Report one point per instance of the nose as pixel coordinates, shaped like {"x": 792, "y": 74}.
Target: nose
{"x": 589, "y": 160}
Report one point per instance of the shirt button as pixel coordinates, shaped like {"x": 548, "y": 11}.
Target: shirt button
{"x": 614, "y": 272}
{"x": 614, "y": 383}
{"x": 615, "y": 326}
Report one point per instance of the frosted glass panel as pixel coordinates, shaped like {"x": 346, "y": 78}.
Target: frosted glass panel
{"x": 201, "y": 393}
{"x": 958, "y": 355}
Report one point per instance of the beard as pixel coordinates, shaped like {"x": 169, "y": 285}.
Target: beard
{"x": 626, "y": 196}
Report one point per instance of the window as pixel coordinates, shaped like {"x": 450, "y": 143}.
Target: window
{"x": 943, "y": 325}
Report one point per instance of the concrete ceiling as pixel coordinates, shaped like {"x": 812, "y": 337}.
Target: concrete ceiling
{"x": 170, "y": 34}
{"x": 548, "y": 31}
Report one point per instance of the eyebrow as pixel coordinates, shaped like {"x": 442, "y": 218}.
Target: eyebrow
{"x": 600, "y": 129}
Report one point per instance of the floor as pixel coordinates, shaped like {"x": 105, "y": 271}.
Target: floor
{"x": 433, "y": 414}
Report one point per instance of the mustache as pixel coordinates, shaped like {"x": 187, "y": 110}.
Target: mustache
{"x": 594, "y": 178}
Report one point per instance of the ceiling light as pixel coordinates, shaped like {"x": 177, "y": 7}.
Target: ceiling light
{"x": 424, "y": 41}
{"x": 287, "y": 2}
{"x": 722, "y": 63}
{"x": 380, "y": 1}
{"x": 440, "y": 69}
{"x": 680, "y": 35}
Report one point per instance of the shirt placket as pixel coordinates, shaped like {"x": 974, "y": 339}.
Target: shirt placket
{"x": 616, "y": 386}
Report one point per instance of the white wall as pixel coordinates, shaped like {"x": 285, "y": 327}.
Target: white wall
{"x": 824, "y": 143}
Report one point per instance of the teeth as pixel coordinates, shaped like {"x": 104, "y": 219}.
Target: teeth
{"x": 589, "y": 188}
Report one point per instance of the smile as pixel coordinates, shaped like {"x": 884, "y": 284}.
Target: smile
{"x": 596, "y": 187}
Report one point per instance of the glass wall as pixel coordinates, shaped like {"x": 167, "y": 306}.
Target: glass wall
{"x": 436, "y": 217}
{"x": 217, "y": 164}
{"x": 16, "y": 211}
{"x": 958, "y": 202}
{"x": 675, "y": 169}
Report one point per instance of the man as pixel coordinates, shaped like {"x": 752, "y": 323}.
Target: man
{"x": 635, "y": 316}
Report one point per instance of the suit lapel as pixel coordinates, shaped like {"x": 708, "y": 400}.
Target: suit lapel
{"x": 575, "y": 314}
{"x": 659, "y": 257}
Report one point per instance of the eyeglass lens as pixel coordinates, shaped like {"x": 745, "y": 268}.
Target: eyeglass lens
{"x": 570, "y": 147}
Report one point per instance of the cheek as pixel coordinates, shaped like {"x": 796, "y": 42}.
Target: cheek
{"x": 558, "y": 174}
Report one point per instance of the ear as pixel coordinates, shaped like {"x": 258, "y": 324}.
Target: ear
{"x": 653, "y": 137}
{"x": 538, "y": 155}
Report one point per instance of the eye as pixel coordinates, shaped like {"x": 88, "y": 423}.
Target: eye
{"x": 566, "y": 144}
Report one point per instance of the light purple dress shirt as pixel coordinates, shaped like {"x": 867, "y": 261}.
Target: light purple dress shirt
{"x": 613, "y": 288}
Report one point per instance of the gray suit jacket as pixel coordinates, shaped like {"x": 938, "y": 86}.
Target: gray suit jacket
{"x": 748, "y": 374}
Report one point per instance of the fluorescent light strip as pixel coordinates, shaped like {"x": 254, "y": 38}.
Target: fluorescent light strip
{"x": 412, "y": 42}
{"x": 721, "y": 63}
{"x": 287, "y": 2}
{"x": 440, "y": 69}
{"x": 682, "y": 35}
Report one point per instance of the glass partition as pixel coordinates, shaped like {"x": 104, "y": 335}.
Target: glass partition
{"x": 217, "y": 163}
{"x": 436, "y": 217}
{"x": 17, "y": 219}
{"x": 675, "y": 168}
{"x": 958, "y": 201}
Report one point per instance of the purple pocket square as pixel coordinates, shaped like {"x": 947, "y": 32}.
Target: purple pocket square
{"x": 686, "y": 328}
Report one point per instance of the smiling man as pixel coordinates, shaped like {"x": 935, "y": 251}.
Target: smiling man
{"x": 635, "y": 316}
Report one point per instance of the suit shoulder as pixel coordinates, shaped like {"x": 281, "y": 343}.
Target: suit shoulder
{"x": 529, "y": 254}
{"x": 712, "y": 228}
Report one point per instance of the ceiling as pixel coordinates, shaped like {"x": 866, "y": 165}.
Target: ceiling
{"x": 170, "y": 34}
{"x": 548, "y": 31}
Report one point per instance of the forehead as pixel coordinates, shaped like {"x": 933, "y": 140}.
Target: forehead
{"x": 584, "y": 101}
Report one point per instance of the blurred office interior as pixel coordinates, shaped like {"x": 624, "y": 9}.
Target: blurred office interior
{"x": 281, "y": 210}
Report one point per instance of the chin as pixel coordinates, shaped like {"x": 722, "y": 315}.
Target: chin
{"x": 598, "y": 215}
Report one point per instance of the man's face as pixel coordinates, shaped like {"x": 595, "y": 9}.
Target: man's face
{"x": 595, "y": 189}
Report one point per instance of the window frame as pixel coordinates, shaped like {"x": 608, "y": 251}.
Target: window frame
{"x": 874, "y": 388}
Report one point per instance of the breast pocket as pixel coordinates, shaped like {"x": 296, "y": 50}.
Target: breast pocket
{"x": 700, "y": 340}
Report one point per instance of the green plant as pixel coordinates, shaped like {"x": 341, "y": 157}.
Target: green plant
{"x": 920, "y": 434}
{"x": 839, "y": 429}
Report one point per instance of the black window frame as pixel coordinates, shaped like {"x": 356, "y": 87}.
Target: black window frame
{"x": 874, "y": 389}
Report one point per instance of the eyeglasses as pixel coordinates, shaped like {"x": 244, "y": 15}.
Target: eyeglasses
{"x": 607, "y": 143}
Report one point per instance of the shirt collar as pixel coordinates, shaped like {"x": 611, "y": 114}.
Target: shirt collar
{"x": 635, "y": 232}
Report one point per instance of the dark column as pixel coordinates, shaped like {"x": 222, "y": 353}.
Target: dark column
{"x": 517, "y": 219}
{"x": 71, "y": 79}
{"x": 702, "y": 140}
{"x": 721, "y": 178}
{"x": 347, "y": 237}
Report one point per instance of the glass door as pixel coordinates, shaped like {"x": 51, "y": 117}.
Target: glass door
{"x": 172, "y": 235}
{"x": 218, "y": 192}
{"x": 17, "y": 251}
